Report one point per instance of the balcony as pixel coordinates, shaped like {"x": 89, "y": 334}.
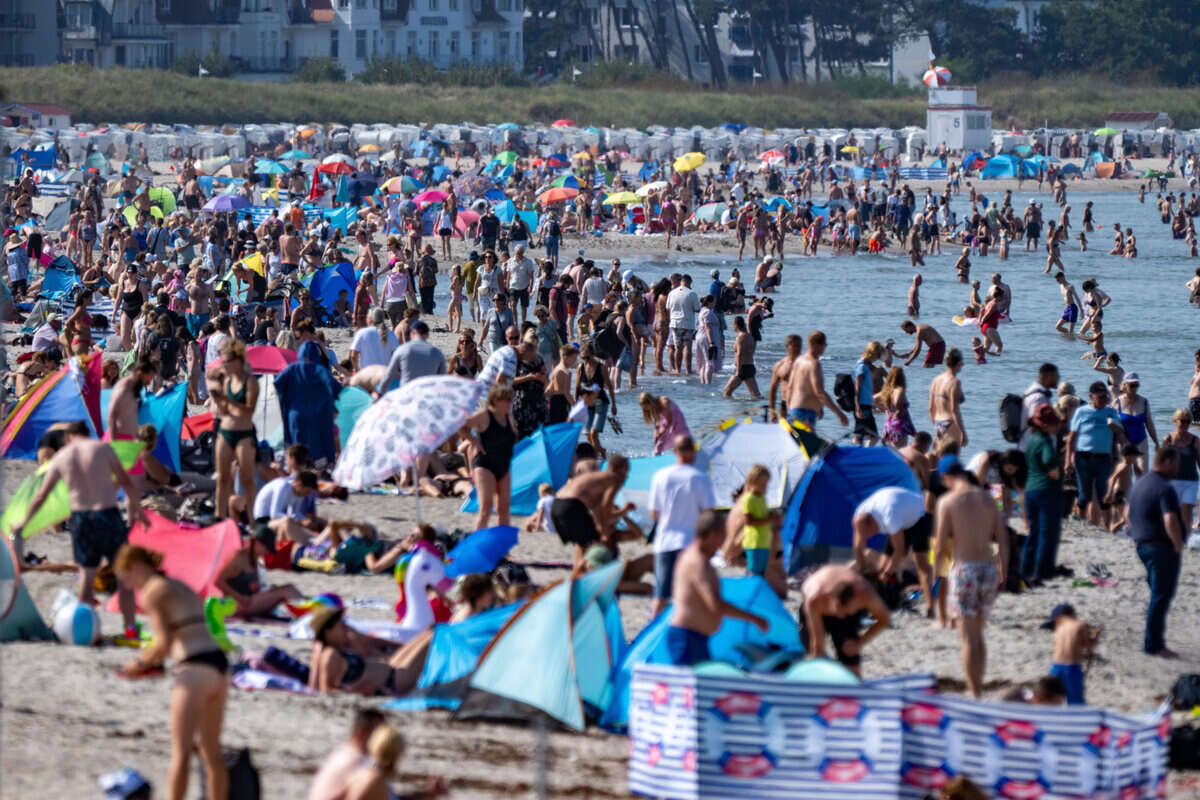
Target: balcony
{"x": 81, "y": 32}
{"x": 23, "y": 22}
{"x": 133, "y": 30}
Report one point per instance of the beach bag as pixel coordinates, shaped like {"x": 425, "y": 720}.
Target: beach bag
{"x": 244, "y": 783}
{"x": 1184, "y": 752}
{"x": 843, "y": 391}
{"x": 1010, "y": 418}
{"x": 1185, "y": 695}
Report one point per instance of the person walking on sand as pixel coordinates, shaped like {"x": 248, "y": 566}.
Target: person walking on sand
{"x": 805, "y": 396}
{"x": 1156, "y": 527}
{"x": 698, "y": 608}
{"x": 201, "y": 669}
{"x": 967, "y": 524}
{"x": 835, "y": 601}
{"x": 92, "y": 473}
{"x": 926, "y": 335}
{"x": 743, "y": 358}
{"x": 678, "y": 495}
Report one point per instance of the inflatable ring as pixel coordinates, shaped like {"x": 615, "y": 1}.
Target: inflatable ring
{"x": 841, "y": 770}
{"x": 929, "y": 778}
{"x": 753, "y": 765}
{"x": 1006, "y": 733}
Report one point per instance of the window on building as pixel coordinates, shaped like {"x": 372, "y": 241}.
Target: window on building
{"x": 333, "y": 44}
{"x": 583, "y": 53}
{"x": 455, "y": 36}
{"x": 433, "y": 45}
{"x": 701, "y": 55}
{"x": 164, "y": 6}
{"x": 474, "y": 44}
{"x": 360, "y": 44}
{"x": 389, "y": 5}
{"x": 361, "y": 4}
{"x": 627, "y": 16}
{"x": 411, "y": 52}
{"x": 119, "y": 57}
{"x": 433, "y": 5}
{"x": 452, "y": 5}
{"x": 343, "y": 3}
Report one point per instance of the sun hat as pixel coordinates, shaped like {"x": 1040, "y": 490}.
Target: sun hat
{"x": 323, "y": 619}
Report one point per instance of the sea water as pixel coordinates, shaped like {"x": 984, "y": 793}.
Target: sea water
{"x": 857, "y": 299}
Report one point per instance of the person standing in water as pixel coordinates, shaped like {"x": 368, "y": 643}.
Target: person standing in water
{"x": 1070, "y": 314}
{"x": 945, "y": 401}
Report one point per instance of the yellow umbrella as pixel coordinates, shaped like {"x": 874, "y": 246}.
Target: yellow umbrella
{"x": 849, "y": 149}
{"x": 623, "y": 199}
{"x": 369, "y": 148}
{"x": 582, "y": 155}
{"x": 688, "y": 161}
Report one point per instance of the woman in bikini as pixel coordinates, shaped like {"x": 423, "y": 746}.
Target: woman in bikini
{"x": 946, "y": 399}
{"x": 662, "y": 318}
{"x": 201, "y": 669}
{"x": 345, "y": 660}
{"x": 235, "y": 396}
{"x": 492, "y": 433}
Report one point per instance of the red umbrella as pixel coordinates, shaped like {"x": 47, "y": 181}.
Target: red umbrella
{"x": 563, "y": 123}
{"x": 557, "y": 195}
{"x": 266, "y": 359}
{"x": 936, "y": 76}
{"x": 336, "y": 168}
{"x": 555, "y": 161}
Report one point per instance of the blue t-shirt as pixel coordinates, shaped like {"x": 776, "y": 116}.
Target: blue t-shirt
{"x": 866, "y": 393}
{"x": 1090, "y": 426}
{"x": 715, "y": 287}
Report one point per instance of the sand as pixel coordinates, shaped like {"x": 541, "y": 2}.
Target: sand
{"x": 67, "y": 718}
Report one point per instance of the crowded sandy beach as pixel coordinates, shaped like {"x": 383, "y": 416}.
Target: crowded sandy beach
{"x": 932, "y": 423}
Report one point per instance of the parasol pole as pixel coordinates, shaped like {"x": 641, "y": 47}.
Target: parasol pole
{"x": 416, "y": 492}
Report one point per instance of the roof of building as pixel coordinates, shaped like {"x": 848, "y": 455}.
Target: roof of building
{"x": 41, "y": 108}
{"x": 1134, "y": 116}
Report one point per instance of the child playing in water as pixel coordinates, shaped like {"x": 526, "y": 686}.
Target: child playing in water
{"x": 1127, "y": 471}
{"x": 980, "y": 352}
{"x": 1074, "y": 640}
{"x": 1082, "y": 242}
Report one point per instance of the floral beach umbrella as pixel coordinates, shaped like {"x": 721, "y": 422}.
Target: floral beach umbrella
{"x": 406, "y": 424}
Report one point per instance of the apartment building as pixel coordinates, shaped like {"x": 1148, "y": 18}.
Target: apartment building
{"x": 114, "y": 33}
{"x": 28, "y": 33}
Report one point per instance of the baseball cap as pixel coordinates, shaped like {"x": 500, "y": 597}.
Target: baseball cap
{"x": 1060, "y": 610}
{"x": 1130, "y": 377}
{"x": 716, "y": 273}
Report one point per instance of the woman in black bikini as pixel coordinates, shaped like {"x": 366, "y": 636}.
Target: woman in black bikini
{"x": 201, "y": 669}
{"x": 129, "y": 289}
{"x": 493, "y": 433}
{"x": 235, "y": 397}
{"x": 345, "y": 660}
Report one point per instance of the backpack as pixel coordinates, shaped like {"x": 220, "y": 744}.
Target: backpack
{"x": 1010, "y": 418}
{"x": 843, "y": 391}
{"x": 1185, "y": 695}
{"x": 553, "y": 228}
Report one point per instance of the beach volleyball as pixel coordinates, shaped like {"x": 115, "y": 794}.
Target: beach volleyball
{"x": 77, "y": 623}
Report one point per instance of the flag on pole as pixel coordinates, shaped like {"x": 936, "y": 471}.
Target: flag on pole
{"x": 202, "y": 71}
{"x": 575, "y": 72}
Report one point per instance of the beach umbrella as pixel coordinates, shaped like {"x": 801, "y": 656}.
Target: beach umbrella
{"x": 473, "y": 185}
{"x": 563, "y": 123}
{"x": 655, "y": 186}
{"x": 582, "y": 155}
{"x": 269, "y": 167}
{"x": 266, "y": 359}
{"x": 336, "y": 168}
{"x": 557, "y": 195}
{"x": 936, "y": 76}
{"x": 430, "y": 196}
{"x": 508, "y": 126}
{"x": 567, "y": 181}
{"x": 688, "y": 161}
{"x": 226, "y": 202}
{"x": 623, "y": 199}
{"x": 772, "y": 155}
{"x": 337, "y": 158}
{"x": 404, "y": 425}
{"x": 401, "y": 184}
{"x": 130, "y": 213}
{"x": 481, "y": 551}
{"x": 710, "y": 212}
{"x": 557, "y": 160}
{"x": 1024, "y": 150}
{"x": 850, "y": 148}
{"x": 369, "y": 148}
{"x": 295, "y": 155}
{"x": 1105, "y": 132}
{"x": 308, "y": 133}
{"x": 505, "y": 158}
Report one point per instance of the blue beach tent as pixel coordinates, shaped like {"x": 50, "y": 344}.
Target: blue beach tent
{"x": 324, "y": 284}
{"x": 165, "y": 412}
{"x": 650, "y": 645}
{"x": 543, "y": 457}
{"x": 836, "y": 481}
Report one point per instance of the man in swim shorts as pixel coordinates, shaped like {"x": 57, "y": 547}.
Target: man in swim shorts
{"x": 926, "y": 335}
{"x": 696, "y": 595}
{"x": 583, "y": 511}
{"x": 805, "y": 396}
{"x": 1070, "y": 314}
{"x": 967, "y": 524}
{"x": 92, "y": 473}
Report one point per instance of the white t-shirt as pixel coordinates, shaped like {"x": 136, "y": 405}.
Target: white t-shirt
{"x": 679, "y": 493}
{"x": 894, "y": 508}
{"x": 520, "y": 273}
{"x": 683, "y": 304}
{"x": 215, "y": 343}
{"x": 501, "y": 362}
{"x": 370, "y": 348}
{"x": 594, "y": 290}
{"x": 276, "y": 500}
{"x": 543, "y": 506}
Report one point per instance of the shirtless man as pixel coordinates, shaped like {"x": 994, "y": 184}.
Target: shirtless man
{"x": 122, "y": 422}
{"x": 926, "y": 335}
{"x": 200, "y": 300}
{"x": 780, "y": 374}
{"x": 914, "y": 247}
{"x": 696, "y": 594}
{"x": 967, "y": 524}
{"x": 583, "y": 508}
{"x": 289, "y": 250}
{"x": 558, "y": 390}
{"x": 834, "y": 601}
{"x": 1002, "y": 291}
{"x": 97, "y": 530}
{"x": 805, "y": 395}
{"x": 945, "y": 401}
{"x": 1070, "y": 314}
{"x": 900, "y": 515}
{"x": 914, "y": 296}
{"x": 915, "y": 454}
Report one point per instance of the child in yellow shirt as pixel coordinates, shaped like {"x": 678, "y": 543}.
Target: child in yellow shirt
{"x": 756, "y": 533}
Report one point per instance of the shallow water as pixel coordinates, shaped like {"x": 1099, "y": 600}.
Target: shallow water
{"x": 853, "y": 300}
